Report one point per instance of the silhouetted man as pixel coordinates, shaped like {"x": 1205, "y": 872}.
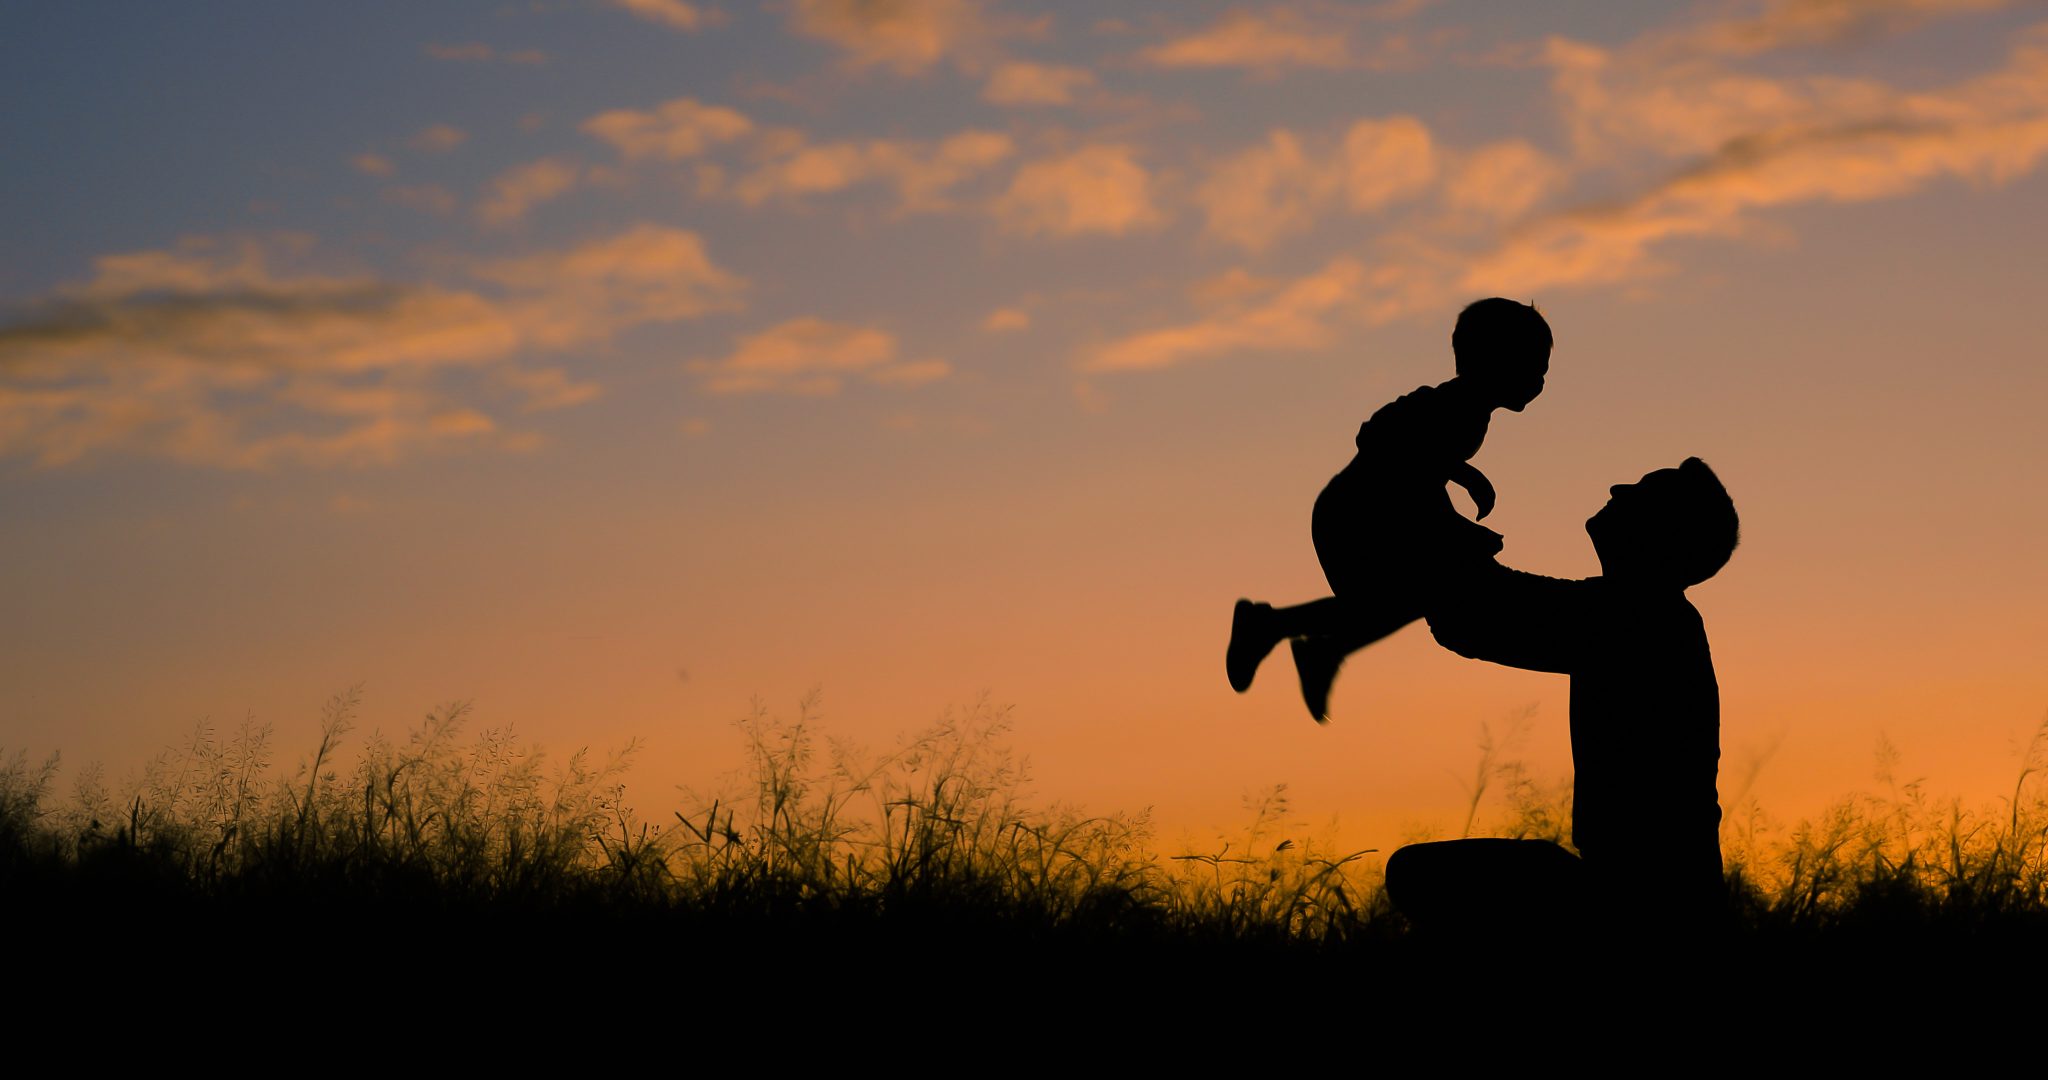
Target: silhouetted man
{"x": 1645, "y": 727}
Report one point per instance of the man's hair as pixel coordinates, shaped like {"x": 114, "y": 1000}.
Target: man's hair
{"x": 1707, "y": 527}
{"x": 1495, "y": 332}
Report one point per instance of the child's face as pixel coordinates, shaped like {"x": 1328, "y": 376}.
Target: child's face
{"x": 1516, "y": 386}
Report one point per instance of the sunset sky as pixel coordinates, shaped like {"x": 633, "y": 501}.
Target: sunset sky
{"x": 612, "y": 364}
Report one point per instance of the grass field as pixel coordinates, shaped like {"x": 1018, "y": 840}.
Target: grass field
{"x": 920, "y": 871}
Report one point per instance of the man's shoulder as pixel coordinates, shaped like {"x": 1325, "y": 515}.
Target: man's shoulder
{"x": 1639, "y": 623}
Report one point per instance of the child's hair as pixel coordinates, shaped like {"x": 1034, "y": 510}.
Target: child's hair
{"x": 1496, "y": 332}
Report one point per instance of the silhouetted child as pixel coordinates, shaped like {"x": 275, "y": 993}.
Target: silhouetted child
{"x": 1385, "y": 530}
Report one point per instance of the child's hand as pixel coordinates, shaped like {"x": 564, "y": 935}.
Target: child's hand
{"x": 1476, "y": 485}
{"x": 1482, "y": 495}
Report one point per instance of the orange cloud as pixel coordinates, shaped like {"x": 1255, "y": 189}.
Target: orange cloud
{"x": 518, "y": 190}
{"x": 678, "y": 129}
{"x": 1502, "y": 180}
{"x": 1265, "y": 192}
{"x": 1823, "y": 141}
{"x": 1097, "y": 189}
{"x": 1006, "y": 320}
{"x": 1622, "y": 104}
{"x": 1813, "y": 22}
{"x": 907, "y": 36}
{"x": 814, "y": 357}
{"x": 547, "y": 389}
{"x": 671, "y": 13}
{"x": 373, "y": 164}
{"x": 224, "y": 354}
{"x": 1019, "y": 83}
{"x": 1295, "y": 317}
{"x": 1387, "y": 160}
{"x": 923, "y": 174}
{"x": 1838, "y": 148}
{"x": 646, "y": 274}
{"x": 1279, "y": 187}
{"x": 1263, "y": 41}
{"x": 1729, "y": 145}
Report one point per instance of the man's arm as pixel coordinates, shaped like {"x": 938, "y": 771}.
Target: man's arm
{"x": 1517, "y": 619}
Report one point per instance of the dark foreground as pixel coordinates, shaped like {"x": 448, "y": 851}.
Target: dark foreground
{"x": 888, "y": 908}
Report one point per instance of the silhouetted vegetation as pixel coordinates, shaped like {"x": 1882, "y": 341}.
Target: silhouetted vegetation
{"x": 830, "y": 855}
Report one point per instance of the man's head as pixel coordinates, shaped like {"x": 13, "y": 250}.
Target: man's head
{"x": 1503, "y": 347}
{"x": 1674, "y": 526}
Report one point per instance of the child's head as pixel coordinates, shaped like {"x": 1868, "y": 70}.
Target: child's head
{"x": 1503, "y": 347}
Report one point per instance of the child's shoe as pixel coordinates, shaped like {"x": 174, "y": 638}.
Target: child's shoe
{"x": 1316, "y": 660}
{"x": 1251, "y": 638}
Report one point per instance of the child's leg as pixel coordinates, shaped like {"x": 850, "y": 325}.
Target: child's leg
{"x": 1255, "y": 628}
{"x": 1349, "y": 626}
{"x": 1324, "y": 632}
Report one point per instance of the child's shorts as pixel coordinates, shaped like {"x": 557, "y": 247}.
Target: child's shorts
{"x": 1388, "y": 543}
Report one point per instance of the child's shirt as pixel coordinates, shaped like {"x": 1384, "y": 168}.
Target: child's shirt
{"x": 1389, "y": 506}
{"x": 1419, "y": 436}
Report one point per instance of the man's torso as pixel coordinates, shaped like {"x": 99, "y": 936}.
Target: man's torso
{"x": 1645, "y": 721}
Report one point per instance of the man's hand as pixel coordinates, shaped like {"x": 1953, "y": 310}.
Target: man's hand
{"x": 1476, "y": 485}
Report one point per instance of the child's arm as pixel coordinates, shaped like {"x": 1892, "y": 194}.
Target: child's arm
{"x": 1475, "y": 483}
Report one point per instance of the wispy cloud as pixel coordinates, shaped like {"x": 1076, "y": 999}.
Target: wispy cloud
{"x": 922, "y": 174}
{"x": 1386, "y": 160}
{"x": 1303, "y": 35}
{"x": 673, "y": 131}
{"x": 373, "y": 164}
{"x": 676, "y": 14}
{"x": 1294, "y": 317}
{"x": 1260, "y": 40}
{"x": 1264, "y": 192}
{"x": 1502, "y": 180}
{"x": 1100, "y": 189}
{"x": 785, "y": 164}
{"x": 902, "y": 35}
{"x": 1674, "y": 135}
{"x": 515, "y": 192}
{"x": 910, "y": 36}
{"x": 231, "y": 354}
{"x": 812, "y": 356}
{"x": 1006, "y": 320}
{"x": 646, "y": 274}
{"x": 1020, "y": 83}
{"x": 1839, "y": 141}
{"x": 1785, "y": 23}
{"x": 1283, "y": 185}
{"x": 547, "y": 389}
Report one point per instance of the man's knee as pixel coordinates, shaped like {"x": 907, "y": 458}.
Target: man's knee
{"x": 1483, "y": 882}
{"x": 1414, "y": 876}
{"x": 1425, "y": 880}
